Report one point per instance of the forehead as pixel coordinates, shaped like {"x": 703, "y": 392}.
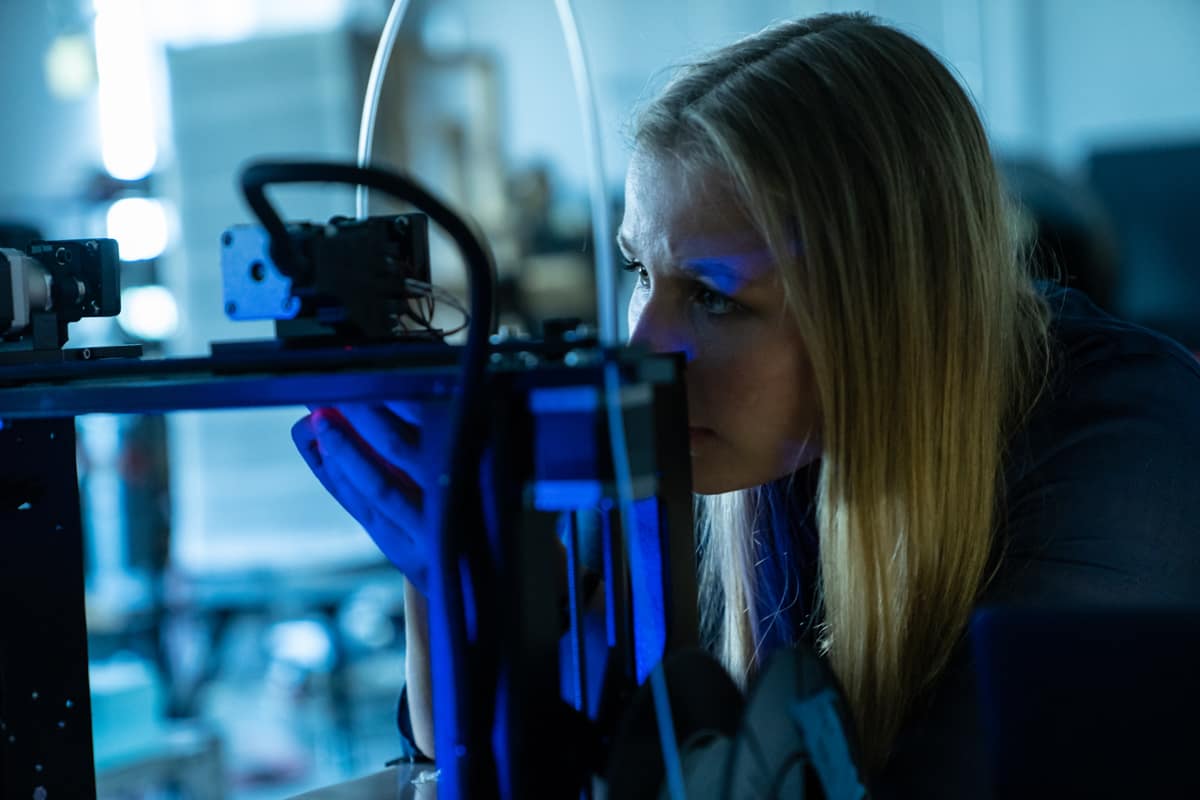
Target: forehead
{"x": 684, "y": 216}
{"x": 662, "y": 194}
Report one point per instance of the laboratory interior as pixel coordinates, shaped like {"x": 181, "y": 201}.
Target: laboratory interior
{"x": 267, "y": 432}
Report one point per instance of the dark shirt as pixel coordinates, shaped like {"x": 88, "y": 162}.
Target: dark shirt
{"x": 1102, "y": 510}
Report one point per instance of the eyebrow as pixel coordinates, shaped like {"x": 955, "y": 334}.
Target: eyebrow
{"x": 726, "y": 277}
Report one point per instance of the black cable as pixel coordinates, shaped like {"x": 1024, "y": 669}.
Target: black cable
{"x": 462, "y": 518}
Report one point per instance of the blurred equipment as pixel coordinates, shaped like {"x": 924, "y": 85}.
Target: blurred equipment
{"x": 1069, "y": 236}
{"x": 134, "y": 748}
{"x": 50, "y": 285}
{"x": 1152, "y": 193}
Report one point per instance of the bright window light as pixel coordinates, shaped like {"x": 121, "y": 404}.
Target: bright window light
{"x": 70, "y": 67}
{"x": 127, "y": 132}
{"x": 184, "y": 23}
{"x": 302, "y": 642}
{"x": 139, "y": 224}
{"x": 148, "y": 313}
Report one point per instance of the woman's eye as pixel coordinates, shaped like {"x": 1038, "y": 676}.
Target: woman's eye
{"x": 643, "y": 275}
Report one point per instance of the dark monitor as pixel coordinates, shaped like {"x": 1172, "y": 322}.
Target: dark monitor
{"x": 1153, "y": 196}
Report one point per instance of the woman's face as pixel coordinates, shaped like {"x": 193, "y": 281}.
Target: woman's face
{"x": 707, "y": 286}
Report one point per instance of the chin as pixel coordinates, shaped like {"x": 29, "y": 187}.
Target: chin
{"x": 729, "y": 478}
{"x": 709, "y": 482}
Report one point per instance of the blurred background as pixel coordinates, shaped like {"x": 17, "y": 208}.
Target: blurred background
{"x": 246, "y": 639}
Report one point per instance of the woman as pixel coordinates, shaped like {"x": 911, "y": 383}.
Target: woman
{"x": 891, "y": 422}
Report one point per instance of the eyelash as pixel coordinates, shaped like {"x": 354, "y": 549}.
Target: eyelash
{"x": 639, "y": 269}
{"x": 703, "y": 294}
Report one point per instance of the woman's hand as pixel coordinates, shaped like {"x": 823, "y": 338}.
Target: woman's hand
{"x": 369, "y": 458}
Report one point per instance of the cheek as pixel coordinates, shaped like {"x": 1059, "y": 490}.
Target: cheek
{"x": 633, "y": 312}
{"x": 763, "y": 389}
{"x": 723, "y": 382}
{"x": 787, "y": 397}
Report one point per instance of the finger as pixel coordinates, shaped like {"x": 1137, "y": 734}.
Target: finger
{"x": 405, "y": 482}
{"x": 410, "y": 411}
{"x": 397, "y": 441}
{"x": 305, "y": 438}
{"x": 325, "y": 471}
{"x": 396, "y": 541}
{"x": 347, "y": 456}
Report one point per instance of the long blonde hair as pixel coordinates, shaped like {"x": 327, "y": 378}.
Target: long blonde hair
{"x": 863, "y": 164}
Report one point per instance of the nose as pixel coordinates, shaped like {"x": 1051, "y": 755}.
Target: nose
{"x": 653, "y": 326}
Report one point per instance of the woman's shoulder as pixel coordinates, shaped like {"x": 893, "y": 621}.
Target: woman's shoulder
{"x": 1109, "y": 375}
{"x": 1102, "y": 485}
{"x": 1084, "y": 337}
